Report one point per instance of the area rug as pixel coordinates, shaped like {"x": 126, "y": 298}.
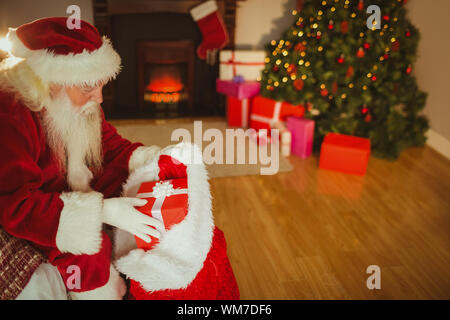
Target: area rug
{"x": 160, "y": 134}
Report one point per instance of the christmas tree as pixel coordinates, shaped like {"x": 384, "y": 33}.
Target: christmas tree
{"x": 352, "y": 79}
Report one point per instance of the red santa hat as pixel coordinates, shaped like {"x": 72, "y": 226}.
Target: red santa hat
{"x": 57, "y": 54}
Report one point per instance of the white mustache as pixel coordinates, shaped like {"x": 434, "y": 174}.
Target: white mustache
{"x": 89, "y": 108}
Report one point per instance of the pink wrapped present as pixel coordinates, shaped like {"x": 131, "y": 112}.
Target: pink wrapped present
{"x": 247, "y": 89}
{"x": 302, "y": 135}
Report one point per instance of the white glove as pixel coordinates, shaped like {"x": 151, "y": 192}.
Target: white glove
{"x": 120, "y": 213}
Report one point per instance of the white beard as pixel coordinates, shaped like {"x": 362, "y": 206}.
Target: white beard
{"x": 74, "y": 136}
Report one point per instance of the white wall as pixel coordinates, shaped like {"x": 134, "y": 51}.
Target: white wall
{"x": 260, "y": 21}
{"x": 14, "y": 13}
{"x": 432, "y": 68}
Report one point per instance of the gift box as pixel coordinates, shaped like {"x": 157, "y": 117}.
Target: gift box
{"x": 238, "y": 111}
{"x": 266, "y": 112}
{"x": 345, "y": 153}
{"x": 246, "y": 63}
{"x": 302, "y": 135}
{"x": 167, "y": 202}
{"x": 240, "y": 90}
{"x": 284, "y": 139}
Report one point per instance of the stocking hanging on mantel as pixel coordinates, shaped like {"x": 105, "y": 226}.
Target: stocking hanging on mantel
{"x": 214, "y": 32}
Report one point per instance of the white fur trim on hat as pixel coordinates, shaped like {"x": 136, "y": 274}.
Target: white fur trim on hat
{"x": 80, "y": 223}
{"x": 204, "y": 9}
{"x": 176, "y": 260}
{"x": 86, "y": 68}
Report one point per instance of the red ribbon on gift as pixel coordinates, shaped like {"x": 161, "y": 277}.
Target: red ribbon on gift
{"x": 234, "y": 63}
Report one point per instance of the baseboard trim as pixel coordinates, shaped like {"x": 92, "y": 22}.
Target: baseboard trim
{"x": 438, "y": 143}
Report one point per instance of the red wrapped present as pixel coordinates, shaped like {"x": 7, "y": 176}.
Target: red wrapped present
{"x": 167, "y": 202}
{"x": 238, "y": 111}
{"x": 266, "y": 112}
{"x": 247, "y": 89}
{"x": 345, "y": 153}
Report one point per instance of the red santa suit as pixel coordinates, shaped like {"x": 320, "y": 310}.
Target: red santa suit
{"x": 190, "y": 260}
{"x": 35, "y": 200}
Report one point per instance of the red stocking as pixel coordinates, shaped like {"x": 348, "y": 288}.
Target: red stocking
{"x": 211, "y": 25}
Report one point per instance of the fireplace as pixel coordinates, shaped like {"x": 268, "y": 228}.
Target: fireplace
{"x": 166, "y": 78}
{"x": 161, "y": 76}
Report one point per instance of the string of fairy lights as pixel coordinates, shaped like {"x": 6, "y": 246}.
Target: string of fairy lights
{"x": 305, "y": 39}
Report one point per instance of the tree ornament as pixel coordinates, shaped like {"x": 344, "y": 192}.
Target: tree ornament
{"x": 340, "y": 60}
{"x": 360, "y": 53}
{"x": 396, "y": 87}
{"x": 324, "y": 92}
{"x": 386, "y": 18}
{"x": 408, "y": 69}
{"x": 350, "y": 72}
{"x": 299, "y": 5}
{"x": 334, "y": 88}
{"x": 366, "y": 45}
{"x": 408, "y": 33}
{"x": 298, "y": 84}
{"x": 299, "y": 47}
{"x": 374, "y": 78}
{"x": 395, "y": 45}
{"x": 368, "y": 118}
{"x": 331, "y": 25}
{"x": 361, "y": 5}
{"x": 291, "y": 69}
{"x": 275, "y": 68}
{"x": 364, "y": 109}
{"x": 386, "y": 56}
{"x": 344, "y": 27}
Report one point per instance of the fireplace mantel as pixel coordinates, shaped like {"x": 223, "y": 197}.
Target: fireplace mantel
{"x": 104, "y": 9}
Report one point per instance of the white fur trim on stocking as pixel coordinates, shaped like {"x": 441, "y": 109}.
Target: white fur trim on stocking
{"x": 114, "y": 289}
{"x": 204, "y": 9}
{"x": 80, "y": 223}
{"x": 176, "y": 260}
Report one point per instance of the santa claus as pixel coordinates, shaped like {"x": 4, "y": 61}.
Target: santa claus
{"x": 62, "y": 164}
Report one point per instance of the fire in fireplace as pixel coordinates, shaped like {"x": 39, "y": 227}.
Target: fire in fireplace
{"x": 165, "y": 94}
{"x": 166, "y": 77}
{"x": 165, "y": 86}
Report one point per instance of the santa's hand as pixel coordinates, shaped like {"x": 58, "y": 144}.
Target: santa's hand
{"x": 121, "y": 213}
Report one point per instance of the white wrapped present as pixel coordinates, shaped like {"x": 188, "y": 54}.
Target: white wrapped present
{"x": 245, "y": 63}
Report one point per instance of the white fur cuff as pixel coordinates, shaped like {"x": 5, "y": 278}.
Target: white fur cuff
{"x": 80, "y": 223}
{"x": 141, "y": 156}
{"x": 114, "y": 289}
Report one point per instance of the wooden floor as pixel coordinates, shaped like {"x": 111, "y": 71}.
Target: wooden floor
{"x": 311, "y": 234}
